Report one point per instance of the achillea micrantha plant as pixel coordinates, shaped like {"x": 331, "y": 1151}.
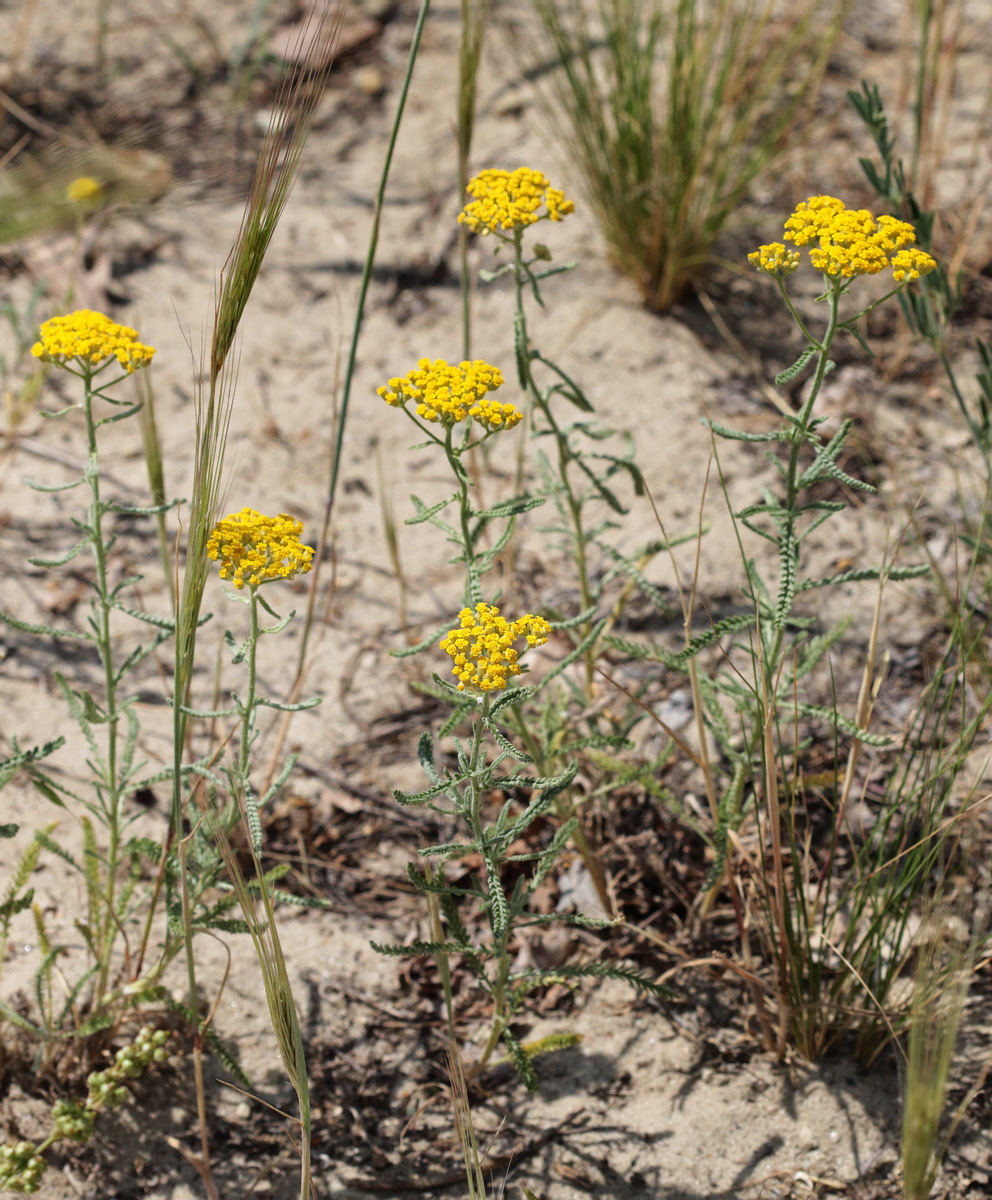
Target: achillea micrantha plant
{"x": 253, "y": 550}
{"x": 771, "y": 652}
{"x": 89, "y": 345}
{"x": 485, "y": 660}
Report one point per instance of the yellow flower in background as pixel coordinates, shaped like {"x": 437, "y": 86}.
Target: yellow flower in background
{"x": 845, "y": 242}
{"x": 253, "y": 548}
{"x": 774, "y": 259}
{"x": 445, "y": 394}
{"x": 483, "y": 649}
{"x": 84, "y": 189}
{"x": 91, "y": 339}
{"x": 508, "y": 200}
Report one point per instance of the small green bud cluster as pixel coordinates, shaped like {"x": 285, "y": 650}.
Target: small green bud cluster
{"x": 73, "y": 1122}
{"x": 106, "y": 1088}
{"x": 22, "y": 1163}
{"x": 21, "y": 1168}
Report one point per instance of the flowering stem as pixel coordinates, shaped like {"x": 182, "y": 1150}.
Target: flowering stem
{"x": 248, "y": 708}
{"x": 473, "y": 586}
{"x": 770, "y": 665}
{"x": 573, "y": 502}
{"x": 110, "y": 795}
{"x": 473, "y": 815}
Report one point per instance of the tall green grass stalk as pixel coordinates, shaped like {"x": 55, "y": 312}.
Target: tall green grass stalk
{"x": 337, "y": 446}
{"x": 256, "y": 902}
{"x": 940, "y": 990}
{"x": 277, "y": 170}
{"x": 474, "y": 19}
{"x": 152, "y": 447}
{"x": 670, "y": 111}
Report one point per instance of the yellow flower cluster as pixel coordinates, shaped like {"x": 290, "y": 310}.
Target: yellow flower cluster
{"x": 92, "y": 338}
{"x": 482, "y": 647}
{"x": 253, "y": 548}
{"x": 84, "y": 189}
{"x": 845, "y": 242}
{"x": 446, "y": 394}
{"x": 911, "y": 264}
{"x": 774, "y": 259}
{"x": 508, "y": 200}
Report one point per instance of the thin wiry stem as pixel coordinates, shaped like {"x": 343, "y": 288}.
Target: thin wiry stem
{"x": 349, "y": 375}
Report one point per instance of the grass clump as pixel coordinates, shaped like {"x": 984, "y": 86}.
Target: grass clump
{"x": 671, "y": 111}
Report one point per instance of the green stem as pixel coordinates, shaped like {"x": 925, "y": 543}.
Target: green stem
{"x": 499, "y": 1000}
{"x": 249, "y": 705}
{"x": 770, "y": 670}
{"x": 799, "y": 436}
{"x": 473, "y": 587}
{"x": 357, "y": 329}
{"x": 110, "y": 793}
{"x": 474, "y": 818}
{"x": 573, "y": 502}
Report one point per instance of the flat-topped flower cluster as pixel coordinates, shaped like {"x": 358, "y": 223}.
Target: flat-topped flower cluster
{"x": 482, "y": 647}
{"x": 509, "y": 200}
{"x": 253, "y": 548}
{"x": 845, "y": 242}
{"x": 91, "y": 338}
{"x": 445, "y": 394}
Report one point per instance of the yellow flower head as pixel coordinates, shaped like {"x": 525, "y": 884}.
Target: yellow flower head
{"x": 811, "y": 217}
{"x": 253, "y": 548}
{"x": 482, "y": 647}
{"x": 508, "y": 200}
{"x": 911, "y": 264}
{"x": 774, "y": 259}
{"x": 845, "y": 242}
{"x": 447, "y": 394}
{"x": 84, "y": 189}
{"x": 91, "y": 338}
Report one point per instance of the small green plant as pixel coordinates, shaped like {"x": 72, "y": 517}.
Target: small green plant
{"x": 671, "y": 111}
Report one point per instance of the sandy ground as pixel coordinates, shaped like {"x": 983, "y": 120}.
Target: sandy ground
{"x": 658, "y": 1102}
